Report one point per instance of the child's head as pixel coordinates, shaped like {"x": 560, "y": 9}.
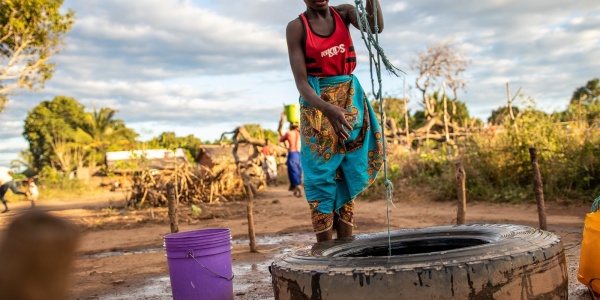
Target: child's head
{"x": 30, "y": 180}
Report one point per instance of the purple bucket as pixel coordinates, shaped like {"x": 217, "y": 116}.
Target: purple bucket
{"x": 199, "y": 234}
{"x": 200, "y": 264}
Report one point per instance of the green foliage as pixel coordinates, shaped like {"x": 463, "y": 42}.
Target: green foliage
{"x": 52, "y": 125}
{"x": 585, "y": 103}
{"x": 394, "y": 109}
{"x": 501, "y": 114}
{"x": 497, "y": 161}
{"x": 62, "y": 135}
{"x": 457, "y": 110}
{"x": 31, "y": 33}
{"x": 588, "y": 93}
{"x": 256, "y": 131}
{"x": 195, "y": 211}
{"x": 126, "y": 165}
{"x": 169, "y": 140}
{"x": 56, "y": 184}
{"x": 101, "y": 132}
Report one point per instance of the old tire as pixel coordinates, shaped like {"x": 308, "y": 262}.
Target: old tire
{"x": 479, "y": 261}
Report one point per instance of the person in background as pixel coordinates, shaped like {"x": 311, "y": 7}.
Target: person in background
{"x": 269, "y": 163}
{"x": 342, "y": 145}
{"x": 294, "y": 167}
{"x": 7, "y": 182}
{"x": 32, "y": 191}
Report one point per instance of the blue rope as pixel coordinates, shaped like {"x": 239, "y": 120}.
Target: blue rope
{"x": 375, "y": 60}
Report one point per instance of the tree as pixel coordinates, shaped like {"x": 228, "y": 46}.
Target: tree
{"x": 585, "y": 103}
{"x": 169, "y": 140}
{"x": 500, "y": 114}
{"x": 394, "y": 109}
{"x": 50, "y": 129}
{"x": 256, "y": 131}
{"x": 458, "y": 115}
{"x": 439, "y": 63}
{"x": 587, "y": 94}
{"x": 31, "y": 32}
{"x": 100, "y": 131}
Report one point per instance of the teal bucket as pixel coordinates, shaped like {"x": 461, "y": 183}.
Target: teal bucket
{"x": 292, "y": 113}
{"x": 200, "y": 264}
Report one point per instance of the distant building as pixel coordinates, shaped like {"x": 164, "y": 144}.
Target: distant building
{"x": 212, "y": 155}
{"x": 135, "y": 160}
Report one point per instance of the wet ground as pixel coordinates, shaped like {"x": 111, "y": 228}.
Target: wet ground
{"x": 253, "y": 281}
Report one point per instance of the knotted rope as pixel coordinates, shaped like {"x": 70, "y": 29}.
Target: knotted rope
{"x": 376, "y": 58}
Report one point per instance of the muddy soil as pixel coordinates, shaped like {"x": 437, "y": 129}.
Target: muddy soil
{"x": 121, "y": 257}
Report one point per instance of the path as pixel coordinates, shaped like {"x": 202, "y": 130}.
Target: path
{"x": 122, "y": 257}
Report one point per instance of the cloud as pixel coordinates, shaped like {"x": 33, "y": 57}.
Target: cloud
{"x": 205, "y": 66}
{"x": 154, "y": 39}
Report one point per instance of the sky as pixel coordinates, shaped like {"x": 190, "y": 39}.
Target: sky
{"x": 203, "y": 67}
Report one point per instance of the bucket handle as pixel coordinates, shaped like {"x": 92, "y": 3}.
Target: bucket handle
{"x": 589, "y": 285}
{"x": 191, "y": 255}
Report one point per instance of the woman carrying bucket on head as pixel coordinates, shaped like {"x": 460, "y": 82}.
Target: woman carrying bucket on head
{"x": 342, "y": 148}
{"x": 291, "y": 139}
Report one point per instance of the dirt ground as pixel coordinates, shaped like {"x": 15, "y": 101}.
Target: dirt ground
{"x": 121, "y": 257}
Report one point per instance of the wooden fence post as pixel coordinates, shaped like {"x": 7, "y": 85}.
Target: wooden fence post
{"x": 461, "y": 178}
{"x": 538, "y": 188}
{"x": 172, "y": 199}
{"x": 251, "y": 235}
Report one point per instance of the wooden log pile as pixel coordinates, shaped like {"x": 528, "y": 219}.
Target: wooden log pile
{"x": 194, "y": 184}
{"x": 216, "y": 178}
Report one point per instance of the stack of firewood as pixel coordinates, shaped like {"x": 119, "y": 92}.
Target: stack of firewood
{"x": 194, "y": 184}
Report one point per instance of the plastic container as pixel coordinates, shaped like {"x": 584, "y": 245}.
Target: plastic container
{"x": 292, "y": 113}
{"x": 589, "y": 260}
{"x": 200, "y": 264}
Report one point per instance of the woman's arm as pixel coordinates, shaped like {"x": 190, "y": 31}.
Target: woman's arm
{"x": 348, "y": 11}
{"x": 335, "y": 115}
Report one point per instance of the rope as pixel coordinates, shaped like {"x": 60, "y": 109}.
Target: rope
{"x": 375, "y": 60}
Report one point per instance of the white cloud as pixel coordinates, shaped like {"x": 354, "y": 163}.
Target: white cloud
{"x": 398, "y": 7}
{"x": 205, "y": 66}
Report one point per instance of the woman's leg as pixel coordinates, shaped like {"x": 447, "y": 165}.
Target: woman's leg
{"x": 325, "y": 236}
{"x": 344, "y": 222}
{"x": 342, "y": 229}
{"x": 322, "y": 222}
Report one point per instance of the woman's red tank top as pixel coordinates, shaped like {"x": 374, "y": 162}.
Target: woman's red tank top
{"x": 331, "y": 55}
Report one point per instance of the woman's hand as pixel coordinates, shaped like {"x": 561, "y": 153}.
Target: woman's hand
{"x": 337, "y": 117}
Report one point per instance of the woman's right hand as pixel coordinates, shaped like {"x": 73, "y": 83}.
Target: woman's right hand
{"x": 337, "y": 117}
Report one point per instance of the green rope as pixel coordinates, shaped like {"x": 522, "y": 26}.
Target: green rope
{"x": 596, "y": 204}
{"x": 375, "y": 60}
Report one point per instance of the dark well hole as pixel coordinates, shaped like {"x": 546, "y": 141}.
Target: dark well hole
{"x": 415, "y": 247}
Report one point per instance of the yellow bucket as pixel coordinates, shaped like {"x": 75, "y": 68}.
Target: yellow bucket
{"x": 292, "y": 113}
{"x": 589, "y": 260}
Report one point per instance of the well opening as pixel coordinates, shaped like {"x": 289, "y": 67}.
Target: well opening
{"x": 427, "y": 245}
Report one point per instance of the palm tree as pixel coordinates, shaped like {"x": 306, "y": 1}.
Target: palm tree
{"x": 97, "y": 132}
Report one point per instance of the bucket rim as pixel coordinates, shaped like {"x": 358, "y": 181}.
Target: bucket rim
{"x": 184, "y": 253}
{"x": 197, "y": 245}
{"x": 206, "y": 231}
{"x": 205, "y": 241}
